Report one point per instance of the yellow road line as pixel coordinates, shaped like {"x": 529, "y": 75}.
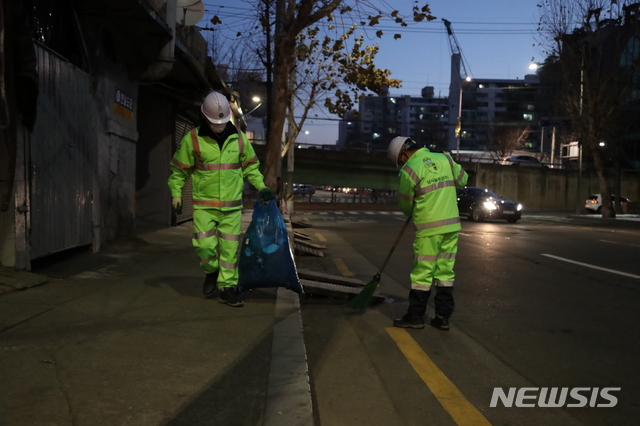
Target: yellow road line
{"x": 451, "y": 399}
{"x": 320, "y": 237}
{"x": 342, "y": 267}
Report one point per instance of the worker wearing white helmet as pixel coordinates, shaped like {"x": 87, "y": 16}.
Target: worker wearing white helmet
{"x": 217, "y": 157}
{"x": 427, "y": 193}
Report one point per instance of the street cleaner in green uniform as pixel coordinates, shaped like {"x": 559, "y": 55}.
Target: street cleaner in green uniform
{"x": 217, "y": 157}
{"x": 427, "y": 193}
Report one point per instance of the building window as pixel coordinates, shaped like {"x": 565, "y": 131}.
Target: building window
{"x": 528, "y": 117}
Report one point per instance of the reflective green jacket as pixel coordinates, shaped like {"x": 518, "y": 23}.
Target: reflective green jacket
{"x": 217, "y": 174}
{"x": 427, "y": 191}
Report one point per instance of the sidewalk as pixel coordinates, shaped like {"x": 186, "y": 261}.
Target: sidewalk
{"x": 136, "y": 343}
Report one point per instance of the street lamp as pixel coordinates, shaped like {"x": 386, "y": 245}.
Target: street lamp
{"x": 255, "y": 99}
{"x": 458, "y": 130}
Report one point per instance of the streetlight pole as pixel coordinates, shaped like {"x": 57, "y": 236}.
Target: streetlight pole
{"x": 459, "y": 125}
{"x": 581, "y": 106}
{"x": 255, "y": 99}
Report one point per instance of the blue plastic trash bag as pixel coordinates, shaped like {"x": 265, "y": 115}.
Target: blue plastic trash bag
{"x": 265, "y": 257}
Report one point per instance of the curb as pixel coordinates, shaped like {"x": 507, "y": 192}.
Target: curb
{"x": 288, "y": 398}
{"x": 288, "y": 390}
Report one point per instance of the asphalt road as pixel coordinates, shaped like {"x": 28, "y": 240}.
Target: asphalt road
{"x": 531, "y": 311}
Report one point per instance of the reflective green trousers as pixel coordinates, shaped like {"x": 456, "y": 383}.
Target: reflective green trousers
{"x": 434, "y": 258}
{"x": 216, "y": 238}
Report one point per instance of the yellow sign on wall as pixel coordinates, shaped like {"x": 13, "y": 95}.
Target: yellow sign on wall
{"x": 123, "y": 112}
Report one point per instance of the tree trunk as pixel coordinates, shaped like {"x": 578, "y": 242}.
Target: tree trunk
{"x": 617, "y": 184}
{"x": 285, "y": 47}
{"x": 603, "y": 180}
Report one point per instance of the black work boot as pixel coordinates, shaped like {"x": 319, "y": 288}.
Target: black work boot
{"x": 210, "y": 283}
{"x": 409, "y": 321}
{"x": 440, "y": 322}
{"x": 230, "y": 296}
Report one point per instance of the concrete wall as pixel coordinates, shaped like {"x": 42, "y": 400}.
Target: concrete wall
{"x": 541, "y": 189}
{"x": 538, "y": 189}
{"x": 114, "y": 199}
{"x": 155, "y": 125}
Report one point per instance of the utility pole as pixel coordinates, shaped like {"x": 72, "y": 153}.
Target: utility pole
{"x": 581, "y": 106}
{"x": 292, "y": 146}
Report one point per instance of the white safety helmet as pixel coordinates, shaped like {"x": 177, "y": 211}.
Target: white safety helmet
{"x": 397, "y": 145}
{"x": 216, "y": 108}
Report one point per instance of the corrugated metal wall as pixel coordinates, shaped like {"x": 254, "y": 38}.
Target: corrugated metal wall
{"x": 62, "y": 158}
{"x": 183, "y": 125}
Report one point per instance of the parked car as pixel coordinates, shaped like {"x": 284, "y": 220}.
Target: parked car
{"x": 593, "y": 204}
{"x": 303, "y": 189}
{"x": 522, "y": 160}
{"x": 479, "y": 204}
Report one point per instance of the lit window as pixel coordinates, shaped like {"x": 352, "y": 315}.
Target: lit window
{"x": 528, "y": 117}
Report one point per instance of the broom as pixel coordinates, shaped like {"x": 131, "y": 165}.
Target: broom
{"x": 361, "y": 301}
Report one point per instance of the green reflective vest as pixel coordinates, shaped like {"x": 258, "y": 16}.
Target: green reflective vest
{"x": 217, "y": 174}
{"x": 427, "y": 191}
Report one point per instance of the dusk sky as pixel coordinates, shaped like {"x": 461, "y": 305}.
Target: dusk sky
{"x": 498, "y": 39}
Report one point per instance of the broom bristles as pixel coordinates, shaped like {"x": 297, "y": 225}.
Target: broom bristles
{"x": 362, "y": 300}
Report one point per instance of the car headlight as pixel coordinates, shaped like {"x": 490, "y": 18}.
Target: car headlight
{"x": 490, "y": 205}
{"x": 519, "y": 207}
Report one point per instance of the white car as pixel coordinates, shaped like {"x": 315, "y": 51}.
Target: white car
{"x": 303, "y": 189}
{"x": 593, "y": 204}
{"x": 522, "y": 160}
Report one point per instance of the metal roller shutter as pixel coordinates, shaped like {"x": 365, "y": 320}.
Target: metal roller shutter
{"x": 183, "y": 125}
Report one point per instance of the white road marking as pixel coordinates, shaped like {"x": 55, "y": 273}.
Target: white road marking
{"x": 624, "y": 244}
{"x": 613, "y": 271}
{"x": 353, "y": 212}
{"x": 369, "y": 213}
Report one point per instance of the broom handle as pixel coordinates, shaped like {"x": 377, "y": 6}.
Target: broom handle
{"x": 394, "y": 245}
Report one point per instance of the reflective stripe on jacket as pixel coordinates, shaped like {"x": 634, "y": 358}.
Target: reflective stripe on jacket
{"x": 217, "y": 174}
{"x": 427, "y": 191}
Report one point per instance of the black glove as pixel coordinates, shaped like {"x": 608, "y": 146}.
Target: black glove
{"x": 266, "y": 195}
{"x": 176, "y": 203}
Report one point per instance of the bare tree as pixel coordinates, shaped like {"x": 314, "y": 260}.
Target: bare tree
{"x": 335, "y": 60}
{"x": 332, "y": 70}
{"x": 507, "y": 139}
{"x": 593, "y": 46}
